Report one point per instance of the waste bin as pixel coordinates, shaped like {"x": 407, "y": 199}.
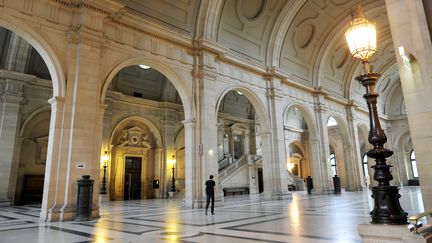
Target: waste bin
{"x": 336, "y": 184}
{"x": 309, "y": 184}
{"x": 85, "y": 199}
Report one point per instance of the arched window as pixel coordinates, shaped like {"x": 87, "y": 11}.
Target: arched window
{"x": 333, "y": 163}
{"x": 365, "y": 166}
{"x": 413, "y": 164}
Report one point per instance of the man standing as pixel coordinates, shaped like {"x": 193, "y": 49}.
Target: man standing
{"x": 210, "y": 191}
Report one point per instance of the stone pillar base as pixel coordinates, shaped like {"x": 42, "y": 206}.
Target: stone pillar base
{"x": 424, "y": 236}
{"x": 255, "y": 196}
{"x": 281, "y": 195}
{"x": 104, "y": 198}
{"x": 6, "y": 203}
{"x": 382, "y": 233}
{"x": 66, "y": 214}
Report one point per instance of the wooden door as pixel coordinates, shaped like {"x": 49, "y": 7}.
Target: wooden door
{"x": 132, "y": 182}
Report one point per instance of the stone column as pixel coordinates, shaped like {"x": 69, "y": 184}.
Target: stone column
{"x": 168, "y": 136}
{"x": 409, "y": 29}
{"x": 352, "y": 155}
{"x": 192, "y": 168}
{"x": 253, "y": 190}
{"x": 322, "y": 179}
{"x": 208, "y": 134}
{"x": 220, "y": 139}
{"x": 106, "y": 141}
{"x": 10, "y": 106}
{"x": 279, "y": 175}
{"x": 75, "y": 133}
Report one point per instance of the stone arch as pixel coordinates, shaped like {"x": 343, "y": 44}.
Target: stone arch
{"x": 153, "y": 128}
{"x": 253, "y": 98}
{"x": 176, "y": 79}
{"x": 345, "y": 159}
{"x": 403, "y": 153}
{"x": 306, "y": 115}
{"x": 31, "y": 116}
{"x": 207, "y": 26}
{"x": 42, "y": 47}
{"x": 146, "y": 153}
{"x": 309, "y": 159}
{"x": 31, "y": 149}
{"x": 277, "y": 36}
{"x": 268, "y": 172}
{"x": 300, "y": 152}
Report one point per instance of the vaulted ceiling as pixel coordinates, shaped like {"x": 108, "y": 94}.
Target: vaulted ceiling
{"x": 303, "y": 39}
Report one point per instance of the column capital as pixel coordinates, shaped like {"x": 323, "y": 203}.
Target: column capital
{"x": 11, "y": 87}
{"x": 56, "y": 101}
{"x": 189, "y": 122}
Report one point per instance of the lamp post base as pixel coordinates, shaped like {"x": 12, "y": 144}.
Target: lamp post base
{"x": 387, "y": 209}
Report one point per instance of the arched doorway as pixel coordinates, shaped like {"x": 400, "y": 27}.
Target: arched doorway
{"x": 340, "y": 157}
{"x": 239, "y": 154}
{"x": 25, "y": 137}
{"x": 250, "y": 128}
{"x": 297, "y": 145}
{"x": 144, "y": 135}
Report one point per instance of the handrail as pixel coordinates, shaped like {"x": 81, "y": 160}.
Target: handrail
{"x": 414, "y": 224}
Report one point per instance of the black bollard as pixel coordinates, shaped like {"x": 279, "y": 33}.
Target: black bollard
{"x": 85, "y": 199}
{"x": 309, "y": 184}
{"x": 337, "y": 184}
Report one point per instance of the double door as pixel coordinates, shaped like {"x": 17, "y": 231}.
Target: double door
{"x": 132, "y": 182}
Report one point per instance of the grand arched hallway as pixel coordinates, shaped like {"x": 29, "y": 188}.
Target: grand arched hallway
{"x": 305, "y": 218}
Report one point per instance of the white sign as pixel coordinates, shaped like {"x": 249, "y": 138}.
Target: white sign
{"x": 80, "y": 165}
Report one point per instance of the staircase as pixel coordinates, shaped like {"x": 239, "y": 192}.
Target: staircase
{"x": 229, "y": 169}
{"x": 226, "y": 172}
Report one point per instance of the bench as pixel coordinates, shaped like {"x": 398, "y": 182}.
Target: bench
{"x": 291, "y": 187}
{"x": 232, "y": 191}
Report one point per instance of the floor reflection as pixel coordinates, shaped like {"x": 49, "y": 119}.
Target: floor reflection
{"x": 304, "y": 218}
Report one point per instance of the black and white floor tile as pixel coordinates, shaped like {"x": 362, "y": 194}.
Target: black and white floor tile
{"x": 305, "y": 218}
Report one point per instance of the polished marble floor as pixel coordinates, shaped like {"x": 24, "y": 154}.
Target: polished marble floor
{"x": 305, "y": 218}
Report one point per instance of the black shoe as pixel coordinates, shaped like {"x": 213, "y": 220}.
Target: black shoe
{"x": 206, "y": 212}
{"x": 212, "y": 213}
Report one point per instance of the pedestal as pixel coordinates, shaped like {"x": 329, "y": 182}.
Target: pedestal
{"x": 382, "y": 233}
{"x": 424, "y": 236}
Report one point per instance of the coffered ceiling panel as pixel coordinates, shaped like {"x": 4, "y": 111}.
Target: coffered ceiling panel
{"x": 245, "y": 26}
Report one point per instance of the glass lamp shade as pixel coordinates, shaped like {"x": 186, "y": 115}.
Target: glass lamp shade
{"x": 361, "y": 38}
{"x": 105, "y": 158}
{"x": 172, "y": 161}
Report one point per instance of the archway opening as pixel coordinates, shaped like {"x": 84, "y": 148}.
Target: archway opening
{"x": 239, "y": 146}
{"x": 25, "y": 120}
{"x": 336, "y": 156}
{"x": 297, "y": 147}
{"x": 144, "y": 136}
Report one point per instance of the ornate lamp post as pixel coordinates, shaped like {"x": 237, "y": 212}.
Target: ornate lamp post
{"x": 105, "y": 158}
{"x": 361, "y": 38}
{"x": 172, "y": 162}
